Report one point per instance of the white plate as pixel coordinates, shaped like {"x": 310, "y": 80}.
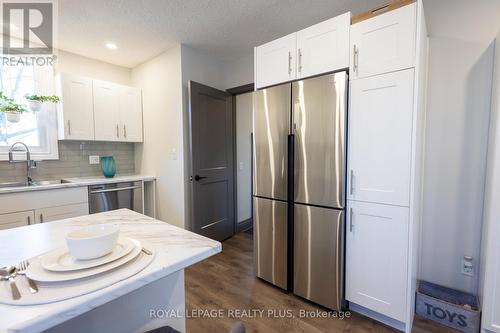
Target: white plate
{"x": 36, "y": 272}
{"x": 60, "y": 260}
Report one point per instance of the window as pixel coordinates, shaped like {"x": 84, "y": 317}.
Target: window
{"x": 38, "y": 129}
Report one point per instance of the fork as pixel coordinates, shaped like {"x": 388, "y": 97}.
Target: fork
{"x": 21, "y": 270}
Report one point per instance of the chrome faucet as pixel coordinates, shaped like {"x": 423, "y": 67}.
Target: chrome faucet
{"x": 29, "y": 161}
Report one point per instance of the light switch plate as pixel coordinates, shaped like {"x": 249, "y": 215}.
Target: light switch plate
{"x": 94, "y": 159}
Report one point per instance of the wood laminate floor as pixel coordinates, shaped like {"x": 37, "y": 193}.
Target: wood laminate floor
{"x": 223, "y": 283}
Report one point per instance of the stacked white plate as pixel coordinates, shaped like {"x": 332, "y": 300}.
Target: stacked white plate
{"x": 59, "y": 276}
{"x": 58, "y": 265}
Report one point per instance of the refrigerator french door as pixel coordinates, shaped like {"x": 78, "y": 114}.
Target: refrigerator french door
{"x": 319, "y": 129}
{"x": 271, "y": 125}
{"x": 299, "y": 187}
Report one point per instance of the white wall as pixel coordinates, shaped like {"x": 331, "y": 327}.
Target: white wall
{"x": 162, "y": 153}
{"x": 82, "y": 66}
{"x": 239, "y": 72}
{"x": 244, "y": 108}
{"x": 459, "y": 91}
{"x": 490, "y": 264}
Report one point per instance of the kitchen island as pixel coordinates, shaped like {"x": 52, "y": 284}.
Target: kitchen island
{"x": 131, "y": 305}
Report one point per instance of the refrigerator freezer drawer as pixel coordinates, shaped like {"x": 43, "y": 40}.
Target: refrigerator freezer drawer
{"x": 271, "y": 125}
{"x": 270, "y": 241}
{"x": 318, "y": 259}
{"x": 319, "y": 123}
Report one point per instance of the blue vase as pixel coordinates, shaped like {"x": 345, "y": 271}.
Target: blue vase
{"x": 108, "y": 166}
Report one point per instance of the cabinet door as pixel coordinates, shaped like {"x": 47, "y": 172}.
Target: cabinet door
{"x": 131, "y": 114}
{"x": 75, "y": 111}
{"x": 376, "y": 257}
{"x": 323, "y": 47}
{"x": 106, "y": 111}
{"x": 380, "y": 134}
{"x": 275, "y": 61}
{"x": 384, "y": 43}
{"x": 61, "y": 212}
{"x": 19, "y": 219}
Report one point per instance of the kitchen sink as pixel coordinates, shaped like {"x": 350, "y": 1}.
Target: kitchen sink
{"x": 35, "y": 183}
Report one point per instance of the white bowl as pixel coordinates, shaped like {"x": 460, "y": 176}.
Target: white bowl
{"x": 92, "y": 241}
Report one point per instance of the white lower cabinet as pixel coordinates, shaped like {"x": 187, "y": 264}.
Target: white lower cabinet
{"x": 61, "y": 212}
{"x": 31, "y": 207}
{"x": 18, "y": 219}
{"x": 376, "y": 257}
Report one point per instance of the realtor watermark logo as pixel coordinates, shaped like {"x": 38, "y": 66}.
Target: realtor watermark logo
{"x": 28, "y": 32}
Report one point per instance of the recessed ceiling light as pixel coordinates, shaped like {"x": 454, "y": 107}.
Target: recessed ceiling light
{"x": 111, "y": 46}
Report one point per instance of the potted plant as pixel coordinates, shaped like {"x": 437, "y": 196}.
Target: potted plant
{"x": 35, "y": 101}
{"x": 12, "y": 111}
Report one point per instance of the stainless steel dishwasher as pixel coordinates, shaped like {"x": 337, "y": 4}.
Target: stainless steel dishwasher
{"x": 105, "y": 197}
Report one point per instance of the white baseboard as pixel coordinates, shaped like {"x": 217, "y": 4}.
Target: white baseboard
{"x": 399, "y": 325}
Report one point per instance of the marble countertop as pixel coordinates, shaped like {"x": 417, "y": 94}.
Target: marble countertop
{"x": 78, "y": 182}
{"x": 176, "y": 249}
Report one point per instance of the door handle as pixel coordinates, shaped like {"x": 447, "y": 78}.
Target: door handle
{"x": 198, "y": 177}
{"x": 289, "y": 63}
{"x": 300, "y": 61}
{"x": 351, "y": 187}
{"x": 351, "y": 226}
{"x": 355, "y": 59}
{"x": 69, "y": 127}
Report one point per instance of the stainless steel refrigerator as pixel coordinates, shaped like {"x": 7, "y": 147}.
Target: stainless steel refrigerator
{"x": 299, "y": 186}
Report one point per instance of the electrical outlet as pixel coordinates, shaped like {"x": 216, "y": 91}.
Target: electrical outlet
{"x": 467, "y": 266}
{"x": 94, "y": 159}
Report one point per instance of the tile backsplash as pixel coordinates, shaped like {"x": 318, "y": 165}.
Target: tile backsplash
{"x": 74, "y": 162}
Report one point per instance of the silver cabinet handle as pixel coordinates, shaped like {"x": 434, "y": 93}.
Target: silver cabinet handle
{"x": 351, "y": 187}
{"x": 124, "y": 131}
{"x": 29, "y": 220}
{"x": 351, "y": 226}
{"x": 289, "y": 63}
{"x": 41, "y": 218}
{"x": 300, "y": 61}
{"x": 355, "y": 55}
{"x": 69, "y": 127}
{"x": 117, "y": 131}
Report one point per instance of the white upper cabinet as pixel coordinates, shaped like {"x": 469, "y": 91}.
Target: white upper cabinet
{"x": 75, "y": 111}
{"x": 130, "y": 106}
{"x": 275, "y": 61}
{"x": 98, "y": 110}
{"x": 323, "y": 47}
{"x": 376, "y": 257}
{"x": 106, "y": 111}
{"x": 384, "y": 43}
{"x": 380, "y": 138}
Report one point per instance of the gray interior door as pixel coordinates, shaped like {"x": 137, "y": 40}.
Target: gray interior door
{"x": 319, "y": 120}
{"x": 212, "y": 140}
{"x": 318, "y": 255}
{"x": 271, "y": 126}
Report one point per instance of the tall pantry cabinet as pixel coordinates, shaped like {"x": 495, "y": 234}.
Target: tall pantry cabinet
{"x": 386, "y": 121}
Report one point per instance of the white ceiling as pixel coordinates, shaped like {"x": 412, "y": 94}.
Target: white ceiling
{"x": 225, "y": 28}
